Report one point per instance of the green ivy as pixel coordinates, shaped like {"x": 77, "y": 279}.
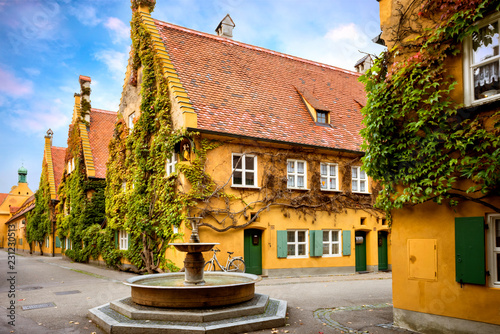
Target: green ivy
{"x": 39, "y": 220}
{"x": 418, "y": 141}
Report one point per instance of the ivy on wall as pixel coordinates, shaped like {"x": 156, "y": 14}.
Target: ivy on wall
{"x": 39, "y": 220}
{"x": 419, "y": 142}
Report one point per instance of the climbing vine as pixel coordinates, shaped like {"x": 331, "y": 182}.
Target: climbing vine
{"x": 419, "y": 142}
{"x": 39, "y": 220}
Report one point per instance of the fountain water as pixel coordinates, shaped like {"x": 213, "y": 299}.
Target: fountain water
{"x": 193, "y": 302}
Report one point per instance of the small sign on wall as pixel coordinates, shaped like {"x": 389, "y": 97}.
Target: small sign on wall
{"x": 359, "y": 240}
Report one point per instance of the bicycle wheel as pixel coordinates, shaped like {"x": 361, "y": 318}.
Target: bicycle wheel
{"x": 209, "y": 266}
{"x": 237, "y": 265}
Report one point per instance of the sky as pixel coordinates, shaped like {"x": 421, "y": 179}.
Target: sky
{"x": 46, "y": 44}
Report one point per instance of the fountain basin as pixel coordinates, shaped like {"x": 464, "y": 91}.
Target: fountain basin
{"x": 193, "y": 247}
{"x": 169, "y": 290}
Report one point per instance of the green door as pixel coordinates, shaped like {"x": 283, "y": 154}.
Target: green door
{"x": 253, "y": 251}
{"x": 360, "y": 250}
{"x": 383, "y": 263}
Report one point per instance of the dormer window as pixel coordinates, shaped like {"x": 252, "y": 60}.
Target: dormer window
{"x": 322, "y": 116}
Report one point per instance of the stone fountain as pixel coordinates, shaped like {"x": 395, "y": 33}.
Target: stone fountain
{"x": 191, "y": 302}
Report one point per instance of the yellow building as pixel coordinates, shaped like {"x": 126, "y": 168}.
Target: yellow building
{"x": 265, "y": 148}
{"x": 10, "y": 203}
{"x": 81, "y": 190}
{"x": 446, "y": 251}
{"x": 17, "y": 225}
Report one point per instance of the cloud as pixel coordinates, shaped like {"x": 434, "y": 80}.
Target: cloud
{"x": 48, "y": 115}
{"x": 13, "y": 86}
{"x": 119, "y": 31}
{"x": 31, "y": 71}
{"x": 86, "y": 15}
{"x": 115, "y": 61}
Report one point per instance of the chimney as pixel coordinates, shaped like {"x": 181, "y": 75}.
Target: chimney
{"x": 48, "y": 137}
{"x": 225, "y": 27}
{"x": 85, "y": 97}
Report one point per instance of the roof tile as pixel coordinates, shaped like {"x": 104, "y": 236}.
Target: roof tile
{"x": 102, "y": 124}
{"x": 240, "y": 89}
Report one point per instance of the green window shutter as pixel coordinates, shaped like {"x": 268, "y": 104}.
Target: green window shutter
{"x": 58, "y": 242}
{"x": 346, "y": 242}
{"x": 282, "y": 247}
{"x": 316, "y": 243}
{"x": 116, "y": 239}
{"x": 470, "y": 250}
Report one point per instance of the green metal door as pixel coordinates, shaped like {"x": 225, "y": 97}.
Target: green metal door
{"x": 360, "y": 250}
{"x": 253, "y": 251}
{"x": 383, "y": 262}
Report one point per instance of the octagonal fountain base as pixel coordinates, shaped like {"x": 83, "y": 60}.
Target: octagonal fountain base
{"x": 170, "y": 290}
{"x": 125, "y": 316}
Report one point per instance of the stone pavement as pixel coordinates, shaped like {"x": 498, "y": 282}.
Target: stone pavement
{"x": 53, "y": 296}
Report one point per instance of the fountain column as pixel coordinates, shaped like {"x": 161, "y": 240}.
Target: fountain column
{"x": 194, "y": 261}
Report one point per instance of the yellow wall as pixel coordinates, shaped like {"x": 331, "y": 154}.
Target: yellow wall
{"x": 219, "y": 166}
{"x": 442, "y": 295}
{"x": 17, "y": 196}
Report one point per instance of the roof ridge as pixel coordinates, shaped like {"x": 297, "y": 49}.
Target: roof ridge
{"x": 254, "y": 47}
{"x": 103, "y": 111}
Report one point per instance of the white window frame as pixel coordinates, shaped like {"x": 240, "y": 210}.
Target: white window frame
{"x": 244, "y": 170}
{"x": 294, "y": 174}
{"x": 122, "y": 240}
{"x": 327, "y": 177}
{"x": 493, "y": 251}
{"x": 170, "y": 167}
{"x": 330, "y": 243}
{"x": 468, "y": 66}
{"x": 356, "y": 180}
{"x": 296, "y": 243}
{"x": 68, "y": 243}
{"x": 131, "y": 121}
{"x": 47, "y": 242}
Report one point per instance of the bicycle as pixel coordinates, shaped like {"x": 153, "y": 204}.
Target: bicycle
{"x": 233, "y": 264}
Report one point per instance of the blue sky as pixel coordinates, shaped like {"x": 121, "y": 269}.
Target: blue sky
{"x": 46, "y": 44}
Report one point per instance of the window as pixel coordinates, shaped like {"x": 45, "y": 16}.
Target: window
{"x": 124, "y": 186}
{"x": 47, "y": 242}
{"x": 131, "y": 121}
{"x": 122, "y": 239}
{"x": 329, "y": 179}
{"x": 297, "y": 243}
{"x": 322, "y": 116}
{"x": 494, "y": 249}
{"x": 170, "y": 166}
{"x": 359, "y": 180}
{"x": 297, "y": 174}
{"x": 68, "y": 243}
{"x": 331, "y": 243}
{"x": 481, "y": 63}
{"x": 20, "y": 241}
{"x": 244, "y": 170}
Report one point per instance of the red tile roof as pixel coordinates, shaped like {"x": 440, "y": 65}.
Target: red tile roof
{"x": 244, "y": 90}
{"x": 58, "y": 159}
{"x": 3, "y": 197}
{"x": 28, "y": 205}
{"x": 13, "y": 209}
{"x": 102, "y": 125}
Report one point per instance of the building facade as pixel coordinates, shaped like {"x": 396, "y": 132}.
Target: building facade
{"x": 263, "y": 146}
{"x": 445, "y": 237}
{"x": 10, "y": 202}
